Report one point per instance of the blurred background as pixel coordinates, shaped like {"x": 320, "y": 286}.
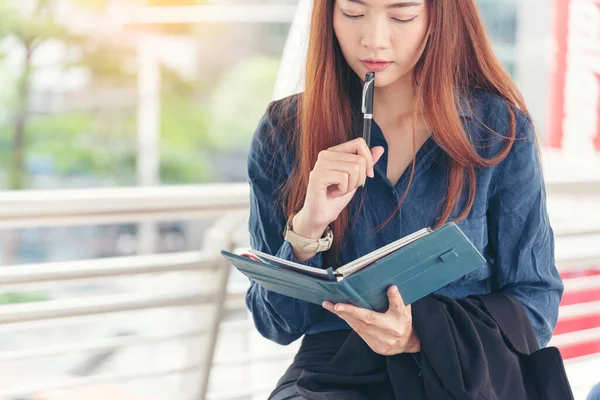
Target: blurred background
{"x": 124, "y": 130}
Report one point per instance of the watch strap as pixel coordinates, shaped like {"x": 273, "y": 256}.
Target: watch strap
{"x": 307, "y": 244}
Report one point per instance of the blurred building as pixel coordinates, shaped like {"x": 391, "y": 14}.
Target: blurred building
{"x": 574, "y": 107}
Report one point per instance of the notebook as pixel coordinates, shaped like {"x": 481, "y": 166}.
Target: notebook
{"x": 418, "y": 264}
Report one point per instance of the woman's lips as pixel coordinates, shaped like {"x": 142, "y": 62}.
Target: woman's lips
{"x": 376, "y": 66}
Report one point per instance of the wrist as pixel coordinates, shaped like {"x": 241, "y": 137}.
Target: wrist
{"x": 303, "y": 228}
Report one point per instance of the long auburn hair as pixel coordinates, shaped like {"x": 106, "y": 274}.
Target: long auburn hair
{"x": 458, "y": 57}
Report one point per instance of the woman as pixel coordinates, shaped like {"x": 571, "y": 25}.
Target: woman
{"x": 452, "y": 141}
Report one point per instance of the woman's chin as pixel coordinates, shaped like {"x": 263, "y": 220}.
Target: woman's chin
{"x": 383, "y": 80}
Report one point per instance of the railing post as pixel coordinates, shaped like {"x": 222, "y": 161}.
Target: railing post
{"x": 220, "y": 236}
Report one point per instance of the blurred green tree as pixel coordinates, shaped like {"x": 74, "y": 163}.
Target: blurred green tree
{"x": 239, "y": 100}
{"x": 30, "y": 33}
{"x": 88, "y": 132}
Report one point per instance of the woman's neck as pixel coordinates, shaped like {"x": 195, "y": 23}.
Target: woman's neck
{"x": 393, "y": 104}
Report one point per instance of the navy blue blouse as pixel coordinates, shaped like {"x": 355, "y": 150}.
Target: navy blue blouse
{"x": 508, "y": 222}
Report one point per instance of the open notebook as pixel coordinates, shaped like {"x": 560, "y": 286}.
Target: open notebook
{"x": 346, "y": 269}
{"x": 417, "y": 264}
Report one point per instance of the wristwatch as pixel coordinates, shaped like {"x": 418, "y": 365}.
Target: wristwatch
{"x": 306, "y": 244}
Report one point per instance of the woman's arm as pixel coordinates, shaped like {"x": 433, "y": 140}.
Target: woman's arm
{"x": 522, "y": 237}
{"x": 279, "y": 318}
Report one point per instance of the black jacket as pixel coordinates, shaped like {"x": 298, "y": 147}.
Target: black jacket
{"x": 482, "y": 347}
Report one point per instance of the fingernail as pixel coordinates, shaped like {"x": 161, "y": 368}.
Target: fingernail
{"x": 326, "y": 305}
{"x": 364, "y": 181}
{"x": 372, "y": 173}
{"x": 339, "y": 308}
{"x": 394, "y": 289}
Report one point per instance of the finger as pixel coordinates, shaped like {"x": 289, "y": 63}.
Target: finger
{"x": 328, "y": 305}
{"x": 367, "y": 316}
{"x": 339, "y": 156}
{"x": 380, "y": 339}
{"x": 325, "y": 178}
{"x": 397, "y": 305}
{"x": 355, "y": 171}
{"x": 344, "y": 198}
{"x": 344, "y": 181}
{"x": 366, "y": 332}
{"x": 358, "y": 326}
{"x": 389, "y": 331}
{"x": 377, "y": 152}
{"x": 354, "y": 323}
{"x": 357, "y": 146}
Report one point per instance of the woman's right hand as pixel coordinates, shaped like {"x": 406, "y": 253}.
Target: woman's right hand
{"x": 338, "y": 172}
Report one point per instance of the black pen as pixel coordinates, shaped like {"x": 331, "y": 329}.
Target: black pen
{"x": 367, "y": 109}
{"x": 367, "y": 106}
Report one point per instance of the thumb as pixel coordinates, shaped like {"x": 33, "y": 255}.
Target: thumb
{"x": 395, "y": 299}
{"x": 376, "y": 153}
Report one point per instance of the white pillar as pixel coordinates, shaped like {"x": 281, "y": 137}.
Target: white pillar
{"x": 534, "y": 34}
{"x": 290, "y": 78}
{"x": 148, "y": 120}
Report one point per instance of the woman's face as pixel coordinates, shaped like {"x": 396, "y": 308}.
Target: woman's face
{"x": 394, "y": 31}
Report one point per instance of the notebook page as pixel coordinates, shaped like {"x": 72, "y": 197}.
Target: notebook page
{"x": 375, "y": 255}
{"x": 290, "y": 265}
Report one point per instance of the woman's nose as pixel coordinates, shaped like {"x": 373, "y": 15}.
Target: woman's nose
{"x": 375, "y": 34}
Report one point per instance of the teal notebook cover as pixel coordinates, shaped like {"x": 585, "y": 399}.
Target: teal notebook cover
{"x": 417, "y": 269}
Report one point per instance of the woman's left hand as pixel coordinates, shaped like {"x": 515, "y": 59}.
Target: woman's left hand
{"x": 386, "y": 333}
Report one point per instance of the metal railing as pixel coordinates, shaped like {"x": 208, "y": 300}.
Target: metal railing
{"x": 119, "y": 205}
{"x": 228, "y": 203}
{"x": 109, "y": 206}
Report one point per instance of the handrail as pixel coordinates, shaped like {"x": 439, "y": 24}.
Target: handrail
{"x": 98, "y": 344}
{"x": 98, "y": 305}
{"x": 20, "y": 209}
{"x": 106, "y": 268}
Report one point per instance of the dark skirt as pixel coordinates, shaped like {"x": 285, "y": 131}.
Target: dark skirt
{"x": 315, "y": 352}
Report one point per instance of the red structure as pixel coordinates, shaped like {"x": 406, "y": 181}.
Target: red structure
{"x": 574, "y": 109}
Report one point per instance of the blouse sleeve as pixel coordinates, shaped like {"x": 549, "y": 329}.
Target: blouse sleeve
{"x": 279, "y": 318}
{"x": 522, "y": 237}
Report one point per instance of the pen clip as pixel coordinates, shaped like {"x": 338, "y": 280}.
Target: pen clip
{"x": 364, "y": 95}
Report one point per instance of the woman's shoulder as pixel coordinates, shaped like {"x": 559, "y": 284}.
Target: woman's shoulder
{"x": 278, "y": 123}
{"x": 272, "y": 142}
{"x": 490, "y": 131}
{"x": 281, "y": 114}
{"x": 489, "y": 125}
{"x": 494, "y": 111}
{"x": 283, "y": 110}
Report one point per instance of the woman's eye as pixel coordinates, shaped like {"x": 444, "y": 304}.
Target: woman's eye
{"x": 404, "y": 21}
{"x": 351, "y": 16}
